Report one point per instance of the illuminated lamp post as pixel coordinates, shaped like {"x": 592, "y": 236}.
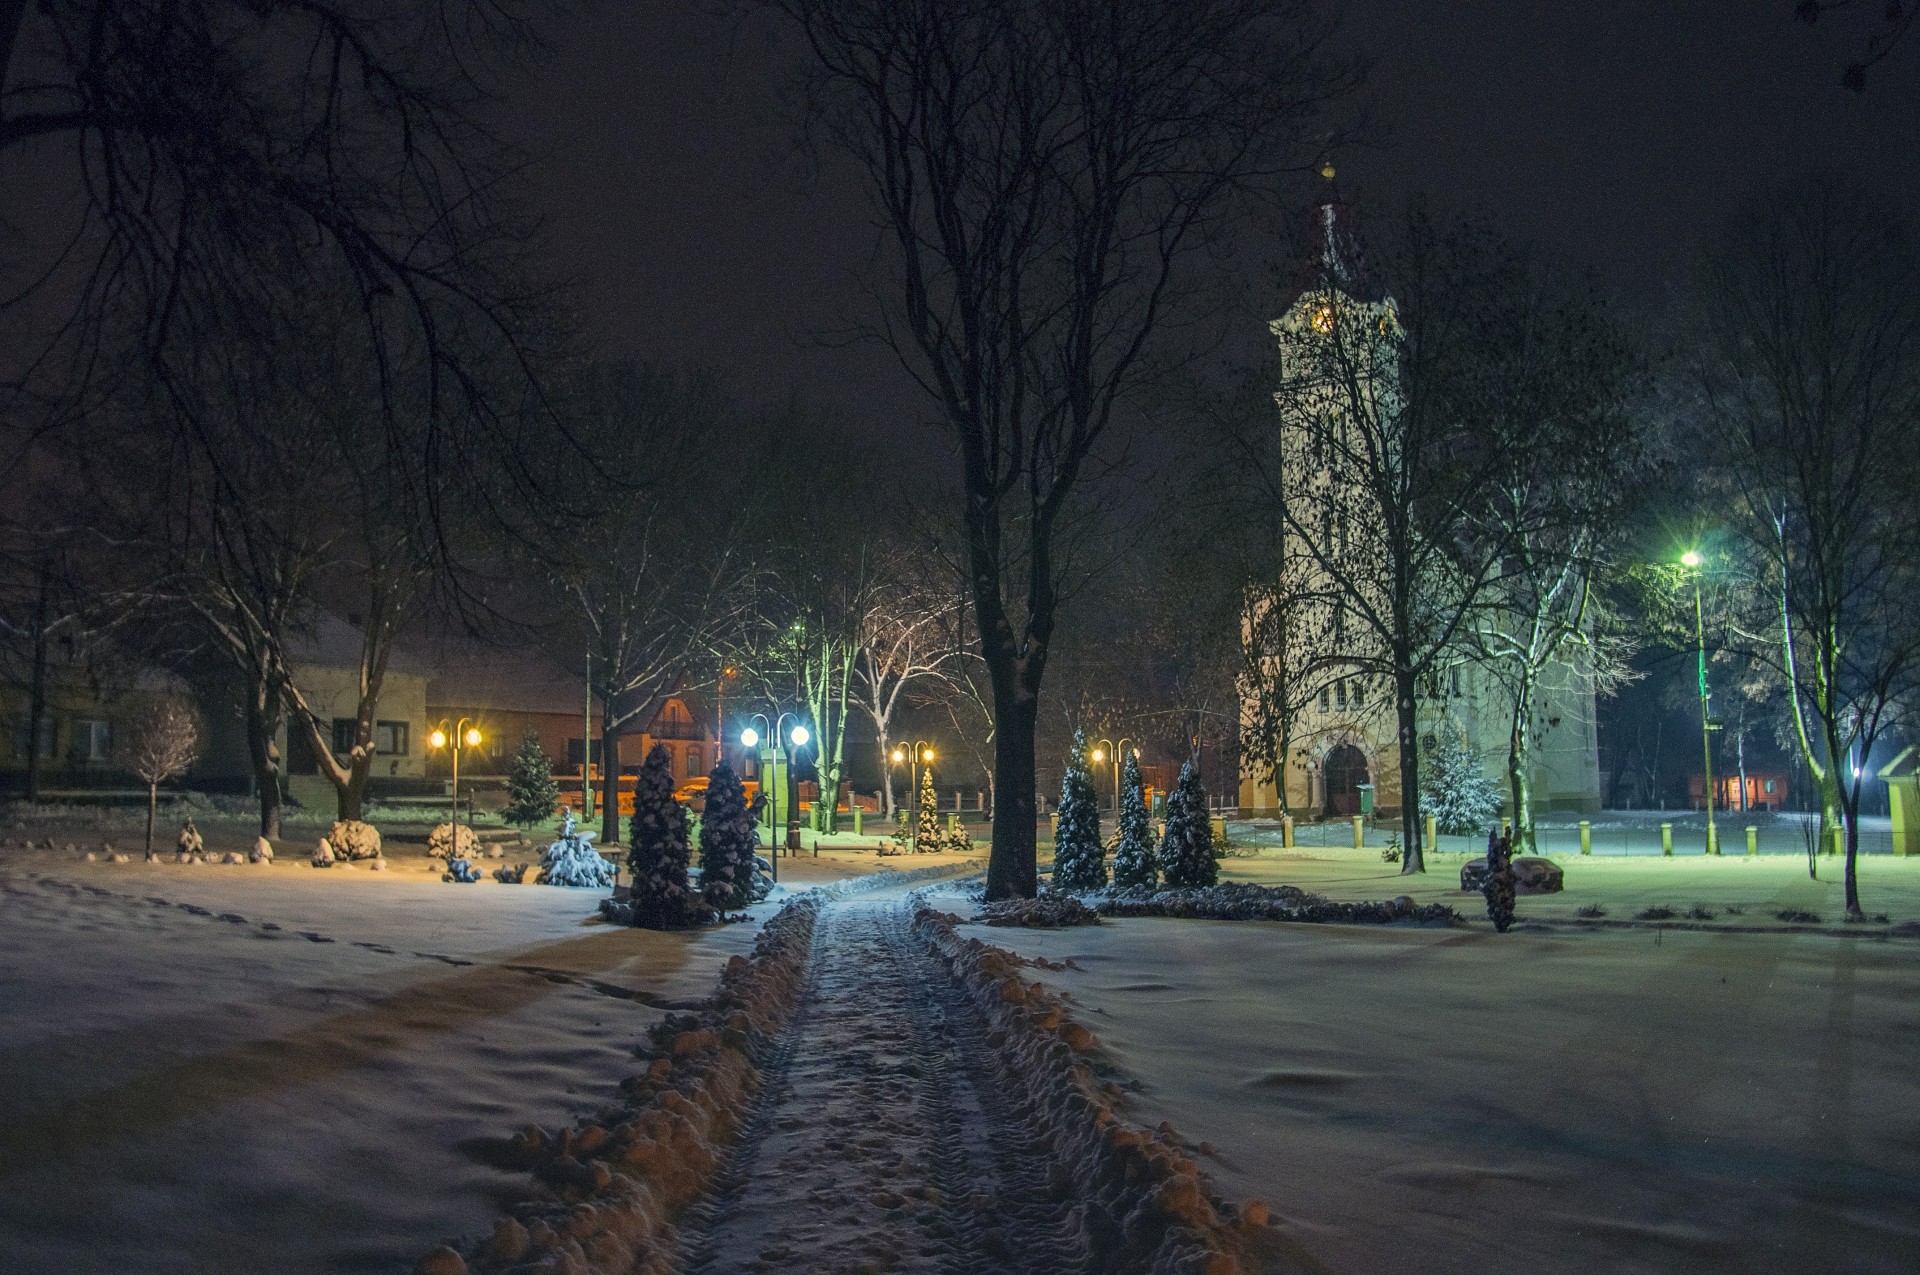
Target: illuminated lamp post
{"x": 1692, "y": 561}
{"x": 1105, "y": 748}
{"x": 462, "y": 732}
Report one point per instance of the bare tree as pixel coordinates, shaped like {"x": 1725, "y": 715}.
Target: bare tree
{"x": 904, "y": 646}
{"x": 166, "y": 741}
{"x": 1808, "y": 379}
{"x": 1046, "y": 176}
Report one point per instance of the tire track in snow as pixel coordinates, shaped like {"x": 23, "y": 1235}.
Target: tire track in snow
{"x": 880, "y": 1140}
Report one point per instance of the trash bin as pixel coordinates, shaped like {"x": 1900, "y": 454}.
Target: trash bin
{"x": 1366, "y": 799}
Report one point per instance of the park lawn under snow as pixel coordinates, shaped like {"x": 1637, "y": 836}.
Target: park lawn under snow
{"x": 256, "y": 1068}
{"x": 1446, "y": 1099}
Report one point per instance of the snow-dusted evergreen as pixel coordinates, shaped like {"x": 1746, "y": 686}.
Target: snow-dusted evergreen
{"x": 927, "y": 836}
{"x": 1458, "y": 794}
{"x": 728, "y": 842}
{"x": 1133, "y": 858}
{"x": 662, "y": 899}
{"x": 1186, "y": 851}
{"x": 532, "y": 794}
{"x": 572, "y": 860}
{"x": 1079, "y": 860}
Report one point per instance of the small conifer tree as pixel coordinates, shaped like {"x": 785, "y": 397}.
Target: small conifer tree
{"x": 1079, "y": 860}
{"x": 927, "y": 837}
{"x": 1133, "y": 858}
{"x": 532, "y": 794}
{"x": 1186, "y": 851}
{"x": 1462, "y": 800}
{"x": 728, "y": 841}
{"x": 659, "y": 856}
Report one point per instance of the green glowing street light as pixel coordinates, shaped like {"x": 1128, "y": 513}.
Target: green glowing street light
{"x": 1692, "y": 561}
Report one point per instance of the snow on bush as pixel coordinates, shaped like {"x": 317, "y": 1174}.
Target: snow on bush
{"x": 661, "y": 898}
{"x": 728, "y": 843}
{"x": 442, "y": 843}
{"x": 572, "y": 860}
{"x": 1050, "y": 911}
{"x": 1455, "y": 791}
{"x": 1143, "y": 1204}
{"x": 190, "y": 841}
{"x": 352, "y": 839}
{"x": 1236, "y": 901}
{"x": 611, "y": 1187}
{"x": 532, "y": 794}
{"x": 460, "y": 870}
{"x": 1186, "y": 849}
{"x": 1134, "y": 862}
{"x": 1079, "y": 860}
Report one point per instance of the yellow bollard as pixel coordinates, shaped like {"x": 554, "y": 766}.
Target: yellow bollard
{"x": 1666, "y": 839}
{"x": 1432, "y": 835}
{"x": 1753, "y": 839}
{"x": 1586, "y": 836}
{"x": 1359, "y": 832}
{"x": 1286, "y": 832}
{"x": 858, "y": 822}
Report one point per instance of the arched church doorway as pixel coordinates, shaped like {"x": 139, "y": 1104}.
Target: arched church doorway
{"x": 1344, "y": 770}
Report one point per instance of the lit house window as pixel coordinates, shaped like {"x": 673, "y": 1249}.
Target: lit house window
{"x": 92, "y": 740}
{"x": 693, "y": 762}
{"x": 391, "y": 738}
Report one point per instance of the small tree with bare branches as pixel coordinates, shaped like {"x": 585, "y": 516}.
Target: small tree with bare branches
{"x": 166, "y": 740}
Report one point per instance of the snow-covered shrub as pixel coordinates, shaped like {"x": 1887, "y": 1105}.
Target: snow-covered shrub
{"x": 460, "y": 870}
{"x": 1499, "y": 884}
{"x": 352, "y": 839}
{"x": 1079, "y": 860}
{"x": 902, "y": 831}
{"x": 516, "y": 875}
{"x": 728, "y": 842}
{"x": 1456, "y": 792}
{"x": 262, "y": 850}
{"x": 1048, "y": 911}
{"x": 443, "y": 844}
{"x": 323, "y": 854}
{"x": 1134, "y": 862}
{"x": 662, "y": 898}
{"x": 1186, "y": 849}
{"x": 573, "y": 861}
{"x": 532, "y": 794}
{"x": 190, "y": 840}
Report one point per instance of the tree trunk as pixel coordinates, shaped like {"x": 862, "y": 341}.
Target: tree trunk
{"x": 1012, "y": 870}
{"x": 611, "y": 733}
{"x": 264, "y": 715}
{"x": 1413, "y": 856}
{"x": 1520, "y": 773}
{"x": 885, "y": 744}
{"x": 153, "y": 800}
{"x": 37, "y": 692}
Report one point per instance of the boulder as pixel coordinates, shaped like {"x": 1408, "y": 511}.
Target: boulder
{"x": 1532, "y": 874}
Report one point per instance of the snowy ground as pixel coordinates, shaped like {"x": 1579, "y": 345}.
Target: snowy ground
{"x": 256, "y": 1068}
{"x": 1555, "y": 1099}
{"x": 1610, "y": 832}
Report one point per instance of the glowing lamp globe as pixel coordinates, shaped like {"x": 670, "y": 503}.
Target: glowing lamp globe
{"x": 438, "y": 739}
{"x": 1691, "y": 558}
{"x": 473, "y": 737}
{"x": 749, "y": 737}
{"x": 800, "y": 736}
{"x": 899, "y": 754}
{"x": 927, "y": 756}
{"x": 1099, "y": 754}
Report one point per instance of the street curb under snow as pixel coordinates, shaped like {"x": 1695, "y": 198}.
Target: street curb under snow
{"x": 613, "y": 1185}
{"x": 1143, "y": 1205}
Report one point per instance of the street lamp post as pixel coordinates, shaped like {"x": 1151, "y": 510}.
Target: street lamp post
{"x": 463, "y": 732}
{"x": 797, "y": 738}
{"x": 1106, "y": 748}
{"x": 922, "y": 752}
{"x": 1692, "y": 561}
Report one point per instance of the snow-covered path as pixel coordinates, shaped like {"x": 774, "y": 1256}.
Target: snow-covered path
{"x": 882, "y": 1140}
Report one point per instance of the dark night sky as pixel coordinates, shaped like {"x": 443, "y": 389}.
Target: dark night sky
{"x": 1609, "y": 135}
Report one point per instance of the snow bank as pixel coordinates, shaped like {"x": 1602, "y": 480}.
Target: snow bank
{"x": 611, "y": 1187}
{"x": 1237, "y": 901}
{"x": 1144, "y": 1205}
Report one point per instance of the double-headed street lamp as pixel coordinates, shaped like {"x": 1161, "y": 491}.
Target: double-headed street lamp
{"x": 1105, "y": 748}
{"x": 797, "y": 738}
{"x": 462, "y": 732}
{"x": 1692, "y": 561}
{"x": 920, "y": 754}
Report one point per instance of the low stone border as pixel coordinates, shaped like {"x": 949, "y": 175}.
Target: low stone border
{"x": 1858, "y": 930}
{"x": 1236, "y": 901}
{"x": 1143, "y": 1205}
